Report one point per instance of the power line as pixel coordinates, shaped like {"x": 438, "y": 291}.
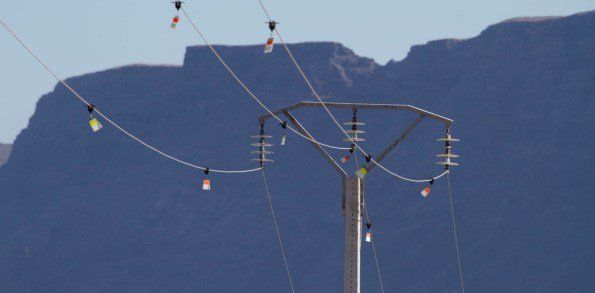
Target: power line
{"x": 266, "y": 185}
{"x": 454, "y": 230}
{"x": 245, "y": 87}
{"x": 249, "y": 92}
{"x": 104, "y": 116}
{"x": 309, "y": 84}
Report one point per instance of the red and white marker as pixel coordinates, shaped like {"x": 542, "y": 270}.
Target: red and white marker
{"x": 344, "y": 159}
{"x": 206, "y": 185}
{"x": 268, "y": 48}
{"x": 425, "y": 192}
{"x": 175, "y": 21}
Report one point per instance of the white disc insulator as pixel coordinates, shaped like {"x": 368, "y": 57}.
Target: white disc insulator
{"x": 356, "y": 139}
{"x": 351, "y": 131}
{"x": 262, "y": 136}
{"x": 448, "y": 139}
{"x": 262, "y": 144}
{"x": 262, "y": 152}
{"x": 447, "y": 156}
{"x": 262, "y": 160}
{"x": 447, "y": 163}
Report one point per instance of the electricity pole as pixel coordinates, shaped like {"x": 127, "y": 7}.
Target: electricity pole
{"x": 353, "y": 191}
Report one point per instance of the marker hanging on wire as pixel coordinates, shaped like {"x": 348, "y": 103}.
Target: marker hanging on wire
{"x": 426, "y": 191}
{"x": 206, "y": 183}
{"x": 361, "y": 173}
{"x": 268, "y": 48}
{"x": 284, "y": 135}
{"x": 368, "y": 233}
{"x": 345, "y": 159}
{"x": 176, "y": 20}
{"x": 93, "y": 122}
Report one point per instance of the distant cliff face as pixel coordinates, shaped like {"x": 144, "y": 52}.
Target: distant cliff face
{"x": 4, "y": 153}
{"x": 84, "y": 212}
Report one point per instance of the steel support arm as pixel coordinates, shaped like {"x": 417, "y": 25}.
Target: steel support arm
{"x": 394, "y": 144}
{"x": 303, "y": 131}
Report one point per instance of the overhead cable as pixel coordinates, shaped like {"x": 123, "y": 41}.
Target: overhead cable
{"x": 245, "y": 87}
{"x": 454, "y": 232}
{"x": 309, "y": 84}
{"x": 279, "y": 239}
{"x": 104, "y": 116}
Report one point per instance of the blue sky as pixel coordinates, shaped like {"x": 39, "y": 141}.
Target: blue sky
{"x": 77, "y": 37}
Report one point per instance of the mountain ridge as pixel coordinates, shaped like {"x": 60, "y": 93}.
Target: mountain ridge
{"x": 88, "y": 212}
{"x": 4, "y": 152}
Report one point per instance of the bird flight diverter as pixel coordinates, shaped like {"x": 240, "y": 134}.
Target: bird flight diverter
{"x": 284, "y": 135}
{"x": 95, "y": 125}
{"x": 175, "y": 21}
{"x": 426, "y": 191}
{"x": 361, "y": 173}
{"x": 283, "y": 138}
{"x": 345, "y": 159}
{"x": 368, "y": 233}
{"x": 206, "y": 185}
{"x": 268, "y": 48}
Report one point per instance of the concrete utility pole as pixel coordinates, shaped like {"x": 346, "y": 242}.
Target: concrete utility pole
{"x": 353, "y": 186}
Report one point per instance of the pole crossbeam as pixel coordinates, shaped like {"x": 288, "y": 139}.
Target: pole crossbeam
{"x": 393, "y": 107}
{"x": 353, "y": 191}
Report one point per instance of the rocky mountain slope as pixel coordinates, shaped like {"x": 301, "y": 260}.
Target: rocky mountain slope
{"x": 86, "y": 212}
{"x": 4, "y": 152}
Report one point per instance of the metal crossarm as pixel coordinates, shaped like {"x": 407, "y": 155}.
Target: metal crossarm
{"x": 400, "y": 107}
{"x": 353, "y": 192}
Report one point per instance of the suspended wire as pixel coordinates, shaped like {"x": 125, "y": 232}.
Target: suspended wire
{"x": 307, "y": 80}
{"x": 104, "y": 116}
{"x": 409, "y": 179}
{"x": 365, "y": 204}
{"x": 266, "y": 185}
{"x": 245, "y": 87}
{"x": 454, "y": 230}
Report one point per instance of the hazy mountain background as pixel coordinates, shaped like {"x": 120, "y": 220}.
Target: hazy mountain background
{"x": 84, "y": 212}
{"x": 4, "y": 152}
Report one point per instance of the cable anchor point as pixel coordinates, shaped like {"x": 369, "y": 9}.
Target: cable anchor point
{"x": 178, "y": 4}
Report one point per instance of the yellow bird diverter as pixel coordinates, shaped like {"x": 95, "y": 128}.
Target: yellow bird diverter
{"x": 95, "y": 125}
{"x": 361, "y": 173}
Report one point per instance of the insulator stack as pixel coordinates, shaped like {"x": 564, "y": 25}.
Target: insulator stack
{"x": 354, "y": 132}
{"x": 448, "y": 155}
{"x": 262, "y": 146}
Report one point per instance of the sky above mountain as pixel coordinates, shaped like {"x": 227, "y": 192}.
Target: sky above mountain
{"x": 80, "y": 37}
{"x": 97, "y": 212}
